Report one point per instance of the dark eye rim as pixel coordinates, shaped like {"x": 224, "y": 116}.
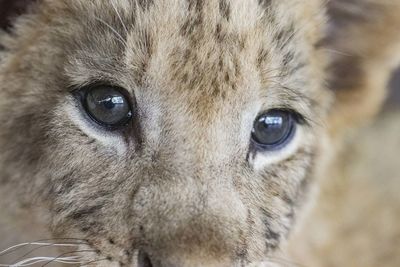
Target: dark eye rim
{"x": 81, "y": 94}
{"x": 294, "y": 119}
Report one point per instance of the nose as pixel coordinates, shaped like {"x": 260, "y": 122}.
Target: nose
{"x": 189, "y": 224}
{"x": 144, "y": 260}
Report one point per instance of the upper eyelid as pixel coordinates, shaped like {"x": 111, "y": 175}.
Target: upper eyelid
{"x": 293, "y": 100}
{"x": 80, "y": 91}
{"x": 75, "y": 89}
{"x": 91, "y": 84}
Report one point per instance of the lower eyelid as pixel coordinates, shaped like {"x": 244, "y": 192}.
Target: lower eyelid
{"x": 261, "y": 159}
{"x": 107, "y": 139}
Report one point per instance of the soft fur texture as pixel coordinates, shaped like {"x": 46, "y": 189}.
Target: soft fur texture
{"x": 183, "y": 184}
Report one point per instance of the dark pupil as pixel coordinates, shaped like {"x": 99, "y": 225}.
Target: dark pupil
{"x": 107, "y": 106}
{"x": 272, "y": 128}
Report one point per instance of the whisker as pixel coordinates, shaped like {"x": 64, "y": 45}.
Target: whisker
{"x": 89, "y": 262}
{"x": 335, "y": 51}
{"x": 67, "y": 253}
{"x": 42, "y": 242}
{"x": 118, "y": 35}
{"x": 49, "y": 245}
{"x": 284, "y": 261}
{"x": 67, "y": 260}
{"x": 36, "y": 260}
{"x": 120, "y": 18}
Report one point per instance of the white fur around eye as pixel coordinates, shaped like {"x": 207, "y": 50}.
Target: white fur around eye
{"x": 261, "y": 159}
{"x": 109, "y": 140}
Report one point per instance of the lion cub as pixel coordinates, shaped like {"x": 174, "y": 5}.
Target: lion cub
{"x": 182, "y": 132}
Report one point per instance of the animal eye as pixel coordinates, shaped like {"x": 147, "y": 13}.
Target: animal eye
{"x": 274, "y": 129}
{"x": 107, "y": 105}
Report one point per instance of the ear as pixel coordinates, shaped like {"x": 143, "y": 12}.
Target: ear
{"x": 10, "y": 9}
{"x": 363, "y": 39}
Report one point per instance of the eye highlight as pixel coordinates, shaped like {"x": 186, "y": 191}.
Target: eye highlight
{"x": 106, "y": 105}
{"x": 274, "y": 130}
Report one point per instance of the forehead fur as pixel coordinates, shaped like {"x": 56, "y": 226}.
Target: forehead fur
{"x": 201, "y": 51}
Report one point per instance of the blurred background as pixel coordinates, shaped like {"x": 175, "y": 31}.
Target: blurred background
{"x": 393, "y": 101}
{"x": 356, "y": 222}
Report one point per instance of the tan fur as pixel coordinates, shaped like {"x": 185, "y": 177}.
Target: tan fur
{"x": 183, "y": 185}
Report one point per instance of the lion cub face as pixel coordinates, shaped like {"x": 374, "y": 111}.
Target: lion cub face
{"x": 185, "y": 132}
